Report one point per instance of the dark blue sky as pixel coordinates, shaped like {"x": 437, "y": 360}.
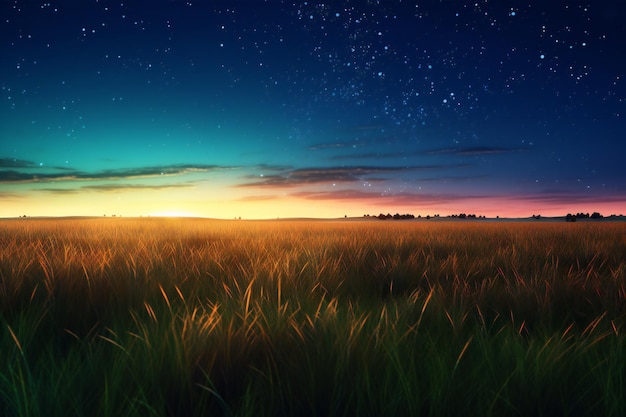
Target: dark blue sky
{"x": 264, "y": 109}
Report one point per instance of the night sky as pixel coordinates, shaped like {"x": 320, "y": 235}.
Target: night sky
{"x": 309, "y": 109}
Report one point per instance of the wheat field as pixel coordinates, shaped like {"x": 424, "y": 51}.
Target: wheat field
{"x": 194, "y": 317}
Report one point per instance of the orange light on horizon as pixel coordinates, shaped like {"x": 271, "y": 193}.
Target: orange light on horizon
{"x": 226, "y": 204}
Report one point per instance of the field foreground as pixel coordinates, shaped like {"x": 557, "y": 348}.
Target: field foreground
{"x": 164, "y": 317}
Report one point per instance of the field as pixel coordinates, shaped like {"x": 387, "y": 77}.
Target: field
{"x": 165, "y": 317}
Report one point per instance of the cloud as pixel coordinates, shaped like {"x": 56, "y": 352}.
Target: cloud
{"x": 563, "y": 197}
{"x": 115, "y": 187}
{"x": 15, "y": 176}
{"x": 12, "y": 176}
{"x": 468, "y": 151}
{"x": 270, "y": 167}
{"x": 373, "y": 155}
{"x": 7, "y": 196}
{"x": 22, "y": 164}
{"x": 16, "y": 163}
{"x": 421, "y": 199}
{"x": 473, "y": 151}
{"x": 550, "y": 197}
{"x": 452, "y": 179}
{"x": 334, "y": 145}
{"x": 61, "y": 190}
{"x": 325, "y": 175}
{"x": 147, "y": 172}
{"x": 134, "y": 187}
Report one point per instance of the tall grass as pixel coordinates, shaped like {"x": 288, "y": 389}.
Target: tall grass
{"x": 126, "y": 317}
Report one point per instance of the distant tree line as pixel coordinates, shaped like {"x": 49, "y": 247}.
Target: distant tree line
{"x": 389, "y": 216}
{"x": 466, "y": 216}
{"x": 572, "y": 217}
{"x": 408, "y": 216}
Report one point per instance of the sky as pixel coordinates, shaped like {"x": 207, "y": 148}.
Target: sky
{"x": 265, "y": 109}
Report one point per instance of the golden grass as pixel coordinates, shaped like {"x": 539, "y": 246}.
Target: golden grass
{"x": 181, "y": 316}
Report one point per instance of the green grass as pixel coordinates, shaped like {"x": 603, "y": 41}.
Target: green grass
{"x": 157, "y": 317}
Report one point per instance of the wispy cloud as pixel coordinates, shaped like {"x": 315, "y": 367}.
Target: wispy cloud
{"x": 12, "y": 176}
{"x": 421, "y": 199}
{"x": 271, "y": 167}
{"x": 135, "y": 187}
{"x": 22, "y": 164}
{"x": 61, "y": 191}
{"x": 114, "y": 188}
{"x": 7, "y": 196}
{"x": 333, "y": 145}
{"x": 27, "y": 176}
{"x": 155, "y": 171}
{"x": 469, "y": 151}
{"x": 445, "y": 179}
{"x": 373, "y": 155}
{"x": 319, "y": 175}
{"x": 474, "y": 151}
{"x": 16, "y": 163}
{"x": 571, "y": 197}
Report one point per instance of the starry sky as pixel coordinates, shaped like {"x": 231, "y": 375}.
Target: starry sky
{"x": 265, "y": 109}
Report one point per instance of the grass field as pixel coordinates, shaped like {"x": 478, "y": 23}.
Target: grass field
{"x": 164, "y": 317}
